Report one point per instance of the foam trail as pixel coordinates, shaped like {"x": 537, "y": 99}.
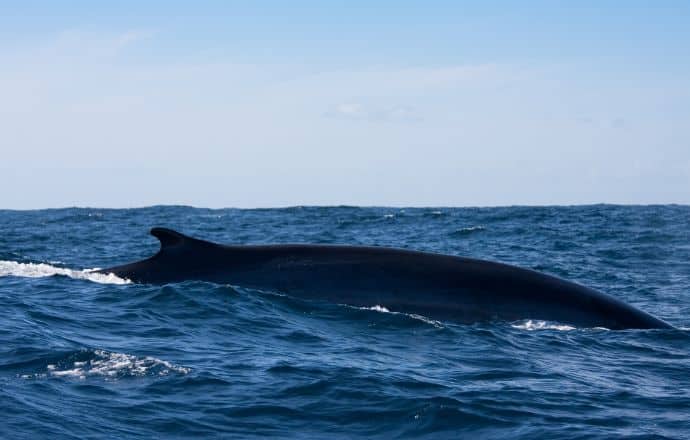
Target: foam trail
{"x": 40, "y": 270}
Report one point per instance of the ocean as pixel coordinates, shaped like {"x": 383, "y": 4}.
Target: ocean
{"x": 84, "y": 355}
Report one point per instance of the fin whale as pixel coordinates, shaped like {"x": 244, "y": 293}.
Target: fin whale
{"x": 437, "y": 286}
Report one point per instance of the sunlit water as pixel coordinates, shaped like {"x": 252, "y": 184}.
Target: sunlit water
{"x": 90, "y": 355}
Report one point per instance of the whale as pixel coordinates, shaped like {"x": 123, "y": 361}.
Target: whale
{"x": 437, "y": 286}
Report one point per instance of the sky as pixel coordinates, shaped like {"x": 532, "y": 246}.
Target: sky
{"x": 395, "y": 103}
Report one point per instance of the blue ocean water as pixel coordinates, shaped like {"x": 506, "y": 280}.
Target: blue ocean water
{"x": 85, "y": 355}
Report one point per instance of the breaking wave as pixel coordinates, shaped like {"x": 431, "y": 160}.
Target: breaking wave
{"x": 381, "y": 309}
{"x": 41, "y": 270}
{"x": 107, "y": 364}
{"x": 541, "y": 325}
{"x": 467, "y": 231}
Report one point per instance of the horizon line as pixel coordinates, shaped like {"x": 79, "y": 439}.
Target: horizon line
{"x": 284, "y": 207}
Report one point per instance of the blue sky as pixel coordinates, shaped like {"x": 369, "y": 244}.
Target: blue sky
{"x": 399, "y": 103}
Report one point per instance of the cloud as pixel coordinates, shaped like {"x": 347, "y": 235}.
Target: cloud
{"x": 348, "y": 110}
{"x": 84, "y": 44}
{"x": 132, "y": 36}
{"x": 359, "y": 112}
{"x": 603, "y": 123}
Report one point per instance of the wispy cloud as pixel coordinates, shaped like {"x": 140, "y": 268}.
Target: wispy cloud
{"x": 86, "y": 43}
{"x": 359, "y": 112}
{"x": 132, "y": 36}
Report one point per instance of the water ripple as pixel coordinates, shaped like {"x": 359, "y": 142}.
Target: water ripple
{"x": 90, "y": 355}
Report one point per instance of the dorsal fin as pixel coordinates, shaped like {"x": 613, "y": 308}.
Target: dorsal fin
{"x": 170, "y": 238}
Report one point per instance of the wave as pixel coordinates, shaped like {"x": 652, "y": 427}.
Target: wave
{"x": 41, "y": 270}
{"x": 381, "y": 309}
{"x": 467, "y": 231}
{"x": 531, "y": 325}
{"x": 107, "y": 364}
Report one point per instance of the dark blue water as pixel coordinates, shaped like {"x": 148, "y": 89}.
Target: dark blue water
{"x": 83, "y": 356}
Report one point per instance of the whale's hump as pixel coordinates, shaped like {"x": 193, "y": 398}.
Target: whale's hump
{"x": 460, "y": 289}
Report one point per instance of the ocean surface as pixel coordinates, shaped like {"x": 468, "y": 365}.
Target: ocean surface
{"x": 87, "y": 356}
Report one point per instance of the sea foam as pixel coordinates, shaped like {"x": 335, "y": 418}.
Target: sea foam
{"x": 40, "y": 270}
{"x": 541, "y": 325}
{"x": 381, "y": 309}
{"x": 110, "y": 365}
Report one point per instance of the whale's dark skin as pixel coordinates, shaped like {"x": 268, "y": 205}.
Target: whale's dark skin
{"x": 437, "y": 286}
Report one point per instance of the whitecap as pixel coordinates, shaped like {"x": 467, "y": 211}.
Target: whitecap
{"x": 425, "y": 319}
{"x": 381, "y": 309}
{"x": 470, "y": 229}
{"x": 531, "y": 325}
{"x": 111, "y": 365}
{"x": 40, "y": 270}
